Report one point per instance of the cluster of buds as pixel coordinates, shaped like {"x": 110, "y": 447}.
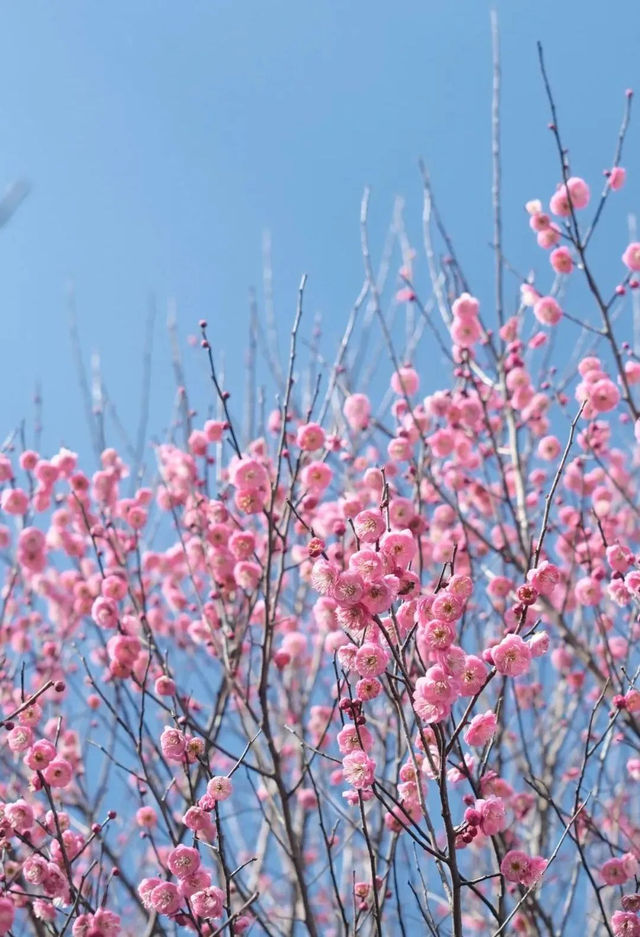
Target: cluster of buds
{"x": 352, "y": 708}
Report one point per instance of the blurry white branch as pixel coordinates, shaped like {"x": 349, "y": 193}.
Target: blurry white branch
{"x": 12, "y": 199}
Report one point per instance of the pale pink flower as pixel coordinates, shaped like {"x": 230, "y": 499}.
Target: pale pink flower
{"x": 358, "y": 769}
{"x": 633, "y": 768}
{"x": 618, "y": 592}
{"x": 437, "y": 635}
{"x": 481, "y": 729}
{"x": 357, "y": 411}
{"x": 40, "y": 755}
{"x": 58, "y": 772}
{"x": 14, "y": 501}
{"x": 632, "y": 371}
{"x": 399, "y": 546}
{"x": 242, "y": 543}
{"x": 196, "y": 816}
{"x": 547, "y": 310}
{"x": 548, "y": 237}
{"x": 44, "y": 910}
{"x": 511, "y": 656}
{"x": 34, "y": 869}
{"x": 619, "y": 558}
{"x": 196, "y": 881}
{"x": 105, "y": 612}
{"x": 247, "y": 474}
{"x": 208, "y": 903}
{"x": 559, "y": 203}
{"x": 368, "y": 688}
{"x": 369, "y": 526}
{"x": 561, "y": 260}
{"x": 352, "y": 737}
{"x": 446, "y": 606}
{"x": 146, "y": 816}
{"x": 213, "y": 430}
{"x": 473, "y": 676}
{"x": 493, "y": 817}
{"x": 247, "y": 575}
{"x": 575, "y": 189}
{"x": 371, "y": 660}
{"x": 631, "y": 256}
{"x": 145, "y": 889}
{"x": 465, "y": 307}
{"x": 539, "y": 643}
{"x": 316, "y": 476}
{"x": 535, "y": 871}
{"x": 324, "y": 576}
{"x": 454, "y": 660}
{"x": 377, "y": 597}
{"x": 82, "y": 925}
{"x": 310, "y": 437}
{"x": 165, "y": 898}
{"x": 20, "y": 815}
{"x": 249, "y": 500}
{"x": 367, "y": 563}
{"x": 198, "y": 442}
{"x": 104, "y": 923}
{"x": 220, "y": 787}
{"x": 617, "y": 871}
{"x": 346, "y": 654}
{"x": 405, "y": 295}
{"x": 539, "y": 221}
{"x": 588, "y": 591}
{"x": 579, "y": 192}
{"x": 603, "y": 395}
{"x": 438, "y": 686}
{"x": 544, "y": 577}
{"x": 514, "y": 865}
{"x": 183, "y": 860}
{"x": 173, "y": 744}
{"x": 617, "y": 178}
{"x": 625, "y": 924}
{"x": 632, "y": 696}
{"x": 20, "y": 738}
{"x": 460, "y": 586}
{"x": 549, "y": 449}
{"x": 465, "y": 332}
{"x": 348, "y": 588}
{"x": 54, "y": 883}
{"x": 405, "y": 381}
{"x": 165, "y": 686}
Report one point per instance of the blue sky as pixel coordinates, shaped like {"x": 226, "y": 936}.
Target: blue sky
{"x": 162, "y": 139}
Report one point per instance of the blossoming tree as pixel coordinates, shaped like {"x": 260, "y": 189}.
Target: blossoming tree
{"x": 370, "y": 670}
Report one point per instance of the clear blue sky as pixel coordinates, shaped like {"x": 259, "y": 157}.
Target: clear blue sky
{"x": 161, "y": 139}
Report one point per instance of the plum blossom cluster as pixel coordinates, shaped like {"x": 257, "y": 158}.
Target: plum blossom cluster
{"x": 193, "y": 885}
{"x": 375, "y": 663}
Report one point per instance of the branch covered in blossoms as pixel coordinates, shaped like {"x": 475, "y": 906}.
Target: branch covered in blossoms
{"x": 370, "y": 669}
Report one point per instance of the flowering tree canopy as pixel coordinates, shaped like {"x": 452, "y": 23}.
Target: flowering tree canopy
{"x": 368, "y": 668}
